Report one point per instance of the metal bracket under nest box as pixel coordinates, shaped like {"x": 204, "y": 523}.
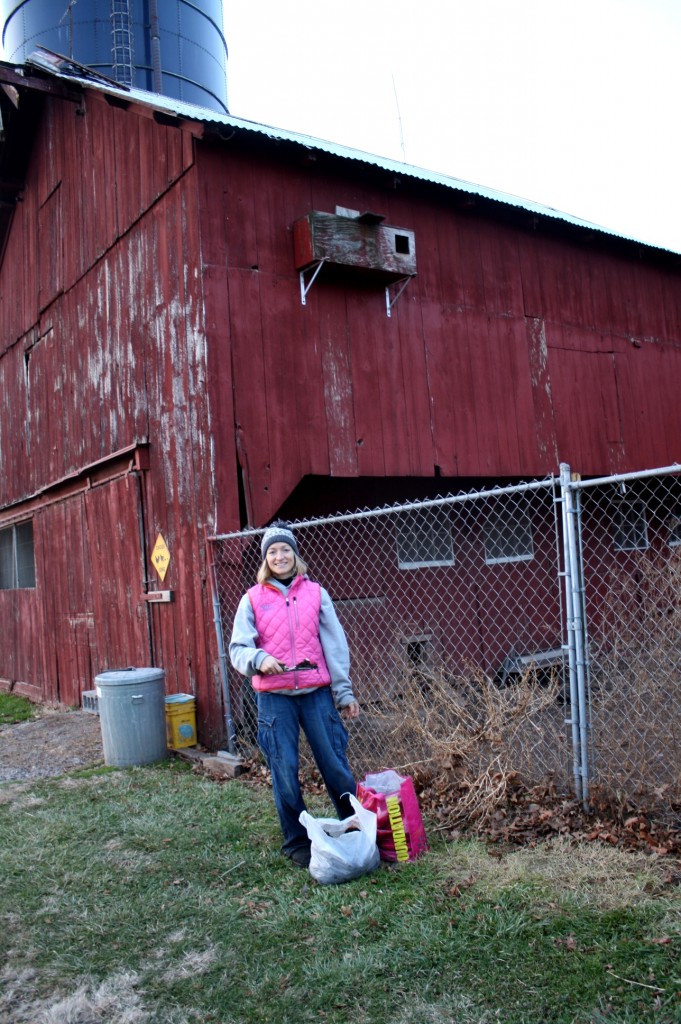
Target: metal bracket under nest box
{"x": 304, "y": 288}
{"x": 314, "y": 270}
{"x": 389, "y": 303}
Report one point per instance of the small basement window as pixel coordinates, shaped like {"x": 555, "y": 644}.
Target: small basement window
{"x": 423, "y": 541}
{"x": 17, "y": 559}
{"x": 630, "y": 532}
{"x": 507, "y": 533}
{"x": 417, "y": 651}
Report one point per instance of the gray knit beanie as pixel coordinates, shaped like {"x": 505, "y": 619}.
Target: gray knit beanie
{"x": 278, "y": 533}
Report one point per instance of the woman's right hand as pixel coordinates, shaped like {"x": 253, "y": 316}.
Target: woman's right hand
{"x": 270, "y": 667}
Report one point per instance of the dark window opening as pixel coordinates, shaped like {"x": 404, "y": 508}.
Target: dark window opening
{"x": 423, "y": 540}
{"x": 507, "y": 533}
{"x": 17, "y": 559}
{"x": 402, "y": 244}
{"x": 416, "y": 654}
{"x": 418, "y": 660}
{"x": 631, "y": 527}
{"x": 674, "y": 526}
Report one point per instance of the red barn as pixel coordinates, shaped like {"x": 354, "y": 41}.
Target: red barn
{"x": 207, "y": 322}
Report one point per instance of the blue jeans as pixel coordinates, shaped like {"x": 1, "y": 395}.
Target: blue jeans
{"x": 280, "y": 719}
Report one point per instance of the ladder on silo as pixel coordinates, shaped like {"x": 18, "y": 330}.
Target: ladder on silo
{"x": 122, "y": 41}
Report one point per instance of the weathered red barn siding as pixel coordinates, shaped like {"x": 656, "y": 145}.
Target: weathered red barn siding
{"x": 103, "y": 351}
{"x": 158, "y": 372}
{"x": 512, "y": 350}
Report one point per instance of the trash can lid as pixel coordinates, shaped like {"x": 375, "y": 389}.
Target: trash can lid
{"x": 129, "y": 676}
{"x": 179, "y": 698}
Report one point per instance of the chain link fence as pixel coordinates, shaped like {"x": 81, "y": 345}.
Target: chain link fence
{"x": 532, "y": 629}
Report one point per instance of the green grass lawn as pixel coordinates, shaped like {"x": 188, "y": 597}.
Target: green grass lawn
{"x": 15, "y": 709}
{"x": 154, "y": 896}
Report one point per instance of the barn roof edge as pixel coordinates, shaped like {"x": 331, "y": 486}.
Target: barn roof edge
{"x": 217, "y": 122}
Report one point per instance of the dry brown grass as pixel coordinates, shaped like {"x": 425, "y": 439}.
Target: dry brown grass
{"x": 465, "y": 738}
{"x": 115, "y": 1000}
{"x": 636, "y": 681}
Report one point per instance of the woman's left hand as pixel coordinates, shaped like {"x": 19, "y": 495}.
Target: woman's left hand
{"x": 351, "y": 710}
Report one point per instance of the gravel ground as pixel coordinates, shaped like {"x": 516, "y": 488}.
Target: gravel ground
{"x": 51, "y": 744}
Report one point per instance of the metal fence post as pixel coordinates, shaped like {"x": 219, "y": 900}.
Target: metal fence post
{"x": 573, "y": 720}
{"x": 586, "y": 722}
{"x": 222, "y": 653}
{"x": 576, "y": 633}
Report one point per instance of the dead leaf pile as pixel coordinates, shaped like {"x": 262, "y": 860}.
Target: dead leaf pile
{"x": 523, "y": 815}
{"x": 499, "y": 808}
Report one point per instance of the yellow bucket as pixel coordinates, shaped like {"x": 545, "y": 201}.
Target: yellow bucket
{"x": 181, "y": 720}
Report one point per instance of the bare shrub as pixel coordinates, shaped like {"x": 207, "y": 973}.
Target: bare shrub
{"x": 465, "y": 738}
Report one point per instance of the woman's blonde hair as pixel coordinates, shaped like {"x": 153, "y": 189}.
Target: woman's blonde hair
{"x": 264, "y": 572}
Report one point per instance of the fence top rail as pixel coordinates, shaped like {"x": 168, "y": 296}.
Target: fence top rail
{"x": 411, "y": 506}
{"x": 599, "y": 481}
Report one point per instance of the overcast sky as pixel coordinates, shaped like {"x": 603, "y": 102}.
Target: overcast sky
{"x": 571, "y": 104}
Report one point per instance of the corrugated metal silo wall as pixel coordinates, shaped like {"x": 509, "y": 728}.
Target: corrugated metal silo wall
{"x": 184, "y": 40}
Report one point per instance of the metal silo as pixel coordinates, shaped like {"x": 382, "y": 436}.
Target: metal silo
{"x": 174, "y": 47}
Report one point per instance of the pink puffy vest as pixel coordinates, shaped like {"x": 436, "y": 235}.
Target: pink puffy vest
{"x": 288, "y": 629}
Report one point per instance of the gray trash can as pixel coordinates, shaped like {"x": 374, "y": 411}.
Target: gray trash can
{"x": 132, "y": 715}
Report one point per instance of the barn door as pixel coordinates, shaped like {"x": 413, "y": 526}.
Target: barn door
{"x": 67, "y": 600}
{"x": 122, "y": 627}
{"x": 92, "y": 573}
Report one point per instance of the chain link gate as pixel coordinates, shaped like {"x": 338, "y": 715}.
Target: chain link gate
{"x": 629, "y": 536}
{"x": 534, "y": 626}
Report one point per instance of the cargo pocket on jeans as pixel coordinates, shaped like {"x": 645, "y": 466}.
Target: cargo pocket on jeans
{"x": 338, "y": 733}
{"x": 267, "y": 736}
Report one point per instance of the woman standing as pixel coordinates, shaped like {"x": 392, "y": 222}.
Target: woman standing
{"x": 287, "y": 639}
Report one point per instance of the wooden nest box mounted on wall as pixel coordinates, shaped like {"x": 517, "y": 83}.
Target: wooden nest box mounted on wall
{"x": 355, "y": 242}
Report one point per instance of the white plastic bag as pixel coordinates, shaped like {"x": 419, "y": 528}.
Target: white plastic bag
{"x": 338, "y": 855}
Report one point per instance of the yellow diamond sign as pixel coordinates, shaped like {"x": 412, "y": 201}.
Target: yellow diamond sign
{"x": 160, "y": 557}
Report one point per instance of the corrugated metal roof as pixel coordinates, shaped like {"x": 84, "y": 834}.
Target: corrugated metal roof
{"x": 192, "y": 112}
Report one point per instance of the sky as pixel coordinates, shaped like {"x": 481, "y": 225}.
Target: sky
{"x": 569, "y": 104}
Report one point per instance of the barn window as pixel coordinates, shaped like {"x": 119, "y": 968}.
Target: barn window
{"x": 17, "y": 561}
{"x": 423, "y": 540}
{"x": 630, "y": 531}
{"x": 507, "y": 532}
